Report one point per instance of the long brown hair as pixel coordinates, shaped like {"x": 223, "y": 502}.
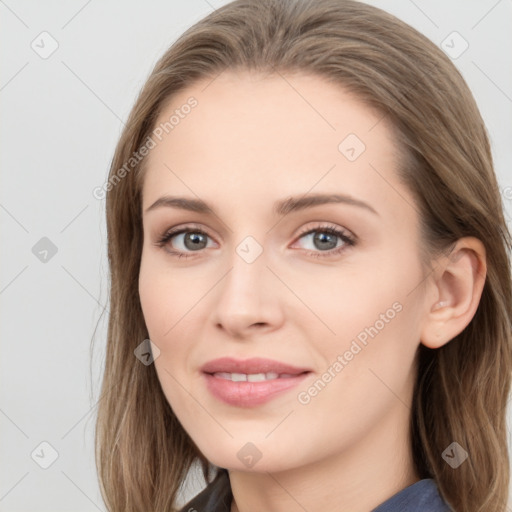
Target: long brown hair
{"x": 143, "y": 454}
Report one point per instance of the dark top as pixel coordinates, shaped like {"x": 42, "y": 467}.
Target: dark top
{"x": 422, "y": 496}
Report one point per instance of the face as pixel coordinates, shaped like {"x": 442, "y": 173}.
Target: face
{"x": 282, "y": 289}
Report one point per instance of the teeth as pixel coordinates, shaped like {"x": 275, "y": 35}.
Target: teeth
{"x": 223, "y": 375}
{"x": 251, "y": 377}
{"x": 256, "y": 377}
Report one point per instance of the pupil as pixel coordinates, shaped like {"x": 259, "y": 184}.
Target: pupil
{"x": 325, "y": 238}
{"x": 194, "y": 239}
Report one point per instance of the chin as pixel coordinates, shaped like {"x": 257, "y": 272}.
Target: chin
{"x": 250, "y": 458}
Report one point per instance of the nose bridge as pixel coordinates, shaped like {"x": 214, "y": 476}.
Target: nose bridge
{"x": 246, "y": 296}
{"x": 246, "y": 277}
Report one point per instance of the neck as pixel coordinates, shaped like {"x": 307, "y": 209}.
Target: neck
{"x": 358, "y": 479}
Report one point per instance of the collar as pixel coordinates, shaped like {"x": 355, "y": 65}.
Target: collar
{"x": 418, "y": 497}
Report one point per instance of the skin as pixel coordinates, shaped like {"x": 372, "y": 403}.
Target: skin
{"x": 249, "y": 142}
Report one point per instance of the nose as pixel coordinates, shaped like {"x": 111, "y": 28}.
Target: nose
{"x": 248, "y": 300}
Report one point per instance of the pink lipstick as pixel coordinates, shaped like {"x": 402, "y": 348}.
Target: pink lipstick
{"x": 250, "y": 382}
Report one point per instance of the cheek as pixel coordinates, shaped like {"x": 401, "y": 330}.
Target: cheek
{"x": 163, "y": 297}
{"x": 172, "y": 296}
{"x": 169, "y": 305}
{"x": 161, "y": 310}
{"x": 363, "y": 298}
{"x": 368, "y": 367}
{"x": 375, "y": 312}
{"x": 154, "y": 302}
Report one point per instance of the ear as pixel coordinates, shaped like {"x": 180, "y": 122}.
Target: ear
{"x": 457, "y": 283}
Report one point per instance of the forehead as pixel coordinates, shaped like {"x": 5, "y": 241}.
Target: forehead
{"x": 249, "y": 133}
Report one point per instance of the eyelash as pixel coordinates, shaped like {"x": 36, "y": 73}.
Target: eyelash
{"x": 348, "y": 241}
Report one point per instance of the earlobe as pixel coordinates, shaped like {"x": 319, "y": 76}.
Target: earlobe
{"x": 458, "y": 283}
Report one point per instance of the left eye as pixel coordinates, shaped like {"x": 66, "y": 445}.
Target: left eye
{"x": 326, "y": 239}
{"x": 321, "y": 240}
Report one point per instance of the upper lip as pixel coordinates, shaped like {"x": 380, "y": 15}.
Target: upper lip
{"x": 250, "y": 366}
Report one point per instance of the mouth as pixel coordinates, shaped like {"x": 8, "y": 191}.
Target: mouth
{"x": 252, "y": 377}
{"x": 252, "y": 366}
{"x": 250, "y": 382}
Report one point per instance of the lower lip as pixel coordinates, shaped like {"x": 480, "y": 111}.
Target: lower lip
{"x": 250, "y": 394}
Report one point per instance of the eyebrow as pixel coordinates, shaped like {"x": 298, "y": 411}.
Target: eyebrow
{"x": 282, "y": 207}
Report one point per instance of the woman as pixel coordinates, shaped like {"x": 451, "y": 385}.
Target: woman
{"x": 306, "y": 238}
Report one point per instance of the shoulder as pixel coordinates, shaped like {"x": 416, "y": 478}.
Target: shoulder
{"x": 422, "y": 496}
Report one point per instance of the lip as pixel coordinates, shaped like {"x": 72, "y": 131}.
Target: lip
{"x": 245, "y": 393}
{"x": 252, "y": 365}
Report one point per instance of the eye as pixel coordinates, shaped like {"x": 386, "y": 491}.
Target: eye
{"x": 325, "y": 241}
{"x": 186, "y": 239}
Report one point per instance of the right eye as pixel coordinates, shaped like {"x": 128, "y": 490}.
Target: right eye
{"x": 183, "y": 241}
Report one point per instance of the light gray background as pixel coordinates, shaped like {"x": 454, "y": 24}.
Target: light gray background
{"x": 61, "y": 118}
